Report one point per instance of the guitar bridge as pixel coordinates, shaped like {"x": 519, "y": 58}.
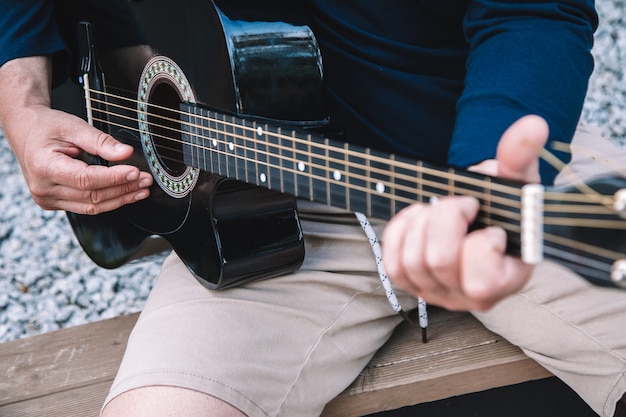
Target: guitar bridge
{"x": 532, "y": 223}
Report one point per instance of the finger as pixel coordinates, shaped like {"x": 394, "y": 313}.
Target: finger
{"x": 447, "y": 228}
{"x": 78, "y": 175}
{"x": 89, "y": 188}
{"x": 401, "y": 258}
{"x": 496, "y": 275}
{"x": 89, "y": 208}
{"x": 95, "y": 142}
{"x": 519, "y": 147}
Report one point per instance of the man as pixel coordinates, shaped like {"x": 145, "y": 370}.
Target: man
{"x": 477, "y": 84}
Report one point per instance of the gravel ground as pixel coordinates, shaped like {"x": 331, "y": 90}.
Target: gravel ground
{"x": 47, "y": 283}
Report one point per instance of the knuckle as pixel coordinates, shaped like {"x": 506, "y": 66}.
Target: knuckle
{"x": 94, "y": 197}
{"x": 93, "y": 209}
{"x": 439, "y": 261}
{"x": 102, "y": 139}
{"x": 83, "y": 180}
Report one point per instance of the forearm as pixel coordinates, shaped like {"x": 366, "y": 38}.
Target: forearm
{"x": 525, "y": 58}
{"x": 24, "y": 87}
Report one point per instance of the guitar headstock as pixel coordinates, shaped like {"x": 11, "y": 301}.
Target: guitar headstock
{"x": 585, "y": 229}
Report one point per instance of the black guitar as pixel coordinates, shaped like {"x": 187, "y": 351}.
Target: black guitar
{"x": 230, "y": 152}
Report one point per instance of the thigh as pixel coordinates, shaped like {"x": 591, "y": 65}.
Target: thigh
{"x": 573, "y": 329}
{"x": 569, "y": 326}
{"x": 279, "y": 347}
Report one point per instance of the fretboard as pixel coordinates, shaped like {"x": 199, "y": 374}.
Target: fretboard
{"x": 313, "y": 167}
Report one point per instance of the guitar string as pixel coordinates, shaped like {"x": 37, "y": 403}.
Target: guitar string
{"x": 324, "y": 167}
{"x": 606, "y": 201}
{"x": 410, "y": 188}
{"x": 253, "y": 130}
{"x": 578, "y": 258}
{"x": 458, "y": 179}
{"x": 485, "y": 221}
{"x": 594, "y": 222}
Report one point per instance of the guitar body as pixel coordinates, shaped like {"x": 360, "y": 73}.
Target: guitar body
{"x": 225, "y": 231}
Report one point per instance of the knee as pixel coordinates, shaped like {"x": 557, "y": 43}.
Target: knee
{"x": 162, "y": 401}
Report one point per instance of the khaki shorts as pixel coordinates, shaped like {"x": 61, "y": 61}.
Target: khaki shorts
{"x": 288, "y": 345}
{"x": 279, "y": 347}
{"x": 572, "y": 328}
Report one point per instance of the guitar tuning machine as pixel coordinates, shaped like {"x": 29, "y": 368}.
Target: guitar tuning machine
{"x": 618, "y": 273}
{"x": 619, "y": 203}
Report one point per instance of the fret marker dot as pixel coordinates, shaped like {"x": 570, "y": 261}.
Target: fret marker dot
{"x": 301, "y": 166}
{"x": 231, "y": 146}
{"x": 337, "y": 175}
{"x": 259, "y": 131}
{"x": 263, "y": 177}
{"x": 214, "y": 143}
{"x": 380, "y": 187}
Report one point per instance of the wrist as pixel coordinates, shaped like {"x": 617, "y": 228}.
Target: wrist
{"x": 24, "y": 83}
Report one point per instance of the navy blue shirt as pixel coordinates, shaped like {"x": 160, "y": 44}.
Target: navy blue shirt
{"x": 439, "y": 80}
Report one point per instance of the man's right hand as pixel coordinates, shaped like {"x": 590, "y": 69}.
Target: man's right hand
{"x": 47, "y": 143}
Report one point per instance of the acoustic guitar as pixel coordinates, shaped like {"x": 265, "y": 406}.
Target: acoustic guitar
{"x": 234, "y": 132}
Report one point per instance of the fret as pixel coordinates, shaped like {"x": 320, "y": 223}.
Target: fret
{"x": 273, "y": 158}
{"x": 336, "y": 176}
{"x": 379, "y": 184}
{"x": 248, "y": 133}
{"x": 346, "y": 149}
{"x": 262, "y": 172}
{"x": 357, "y": 184}
{"x": 287, "y": 164}
{"x": 303, "y": 168}
{"x": 326, "y": 170}
{"x": 221, "y": 145}
{"x": 451, "y": 175}
{"x": 317, "y": 164}
{"x": 487, "y": 203}
{"x": 229, "y": 146}
{"x": 408, "y": 183}
{"x": 432, "y": 184}
{"x": 202, "y": 144}
{"x": 240, "y": 151}
{"x": 420, "y": 181}
{"x": 212, "y": 144}
{"x": 188, "y": 135}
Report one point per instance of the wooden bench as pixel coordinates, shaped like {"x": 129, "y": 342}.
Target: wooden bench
{"x": 67, "y": 373}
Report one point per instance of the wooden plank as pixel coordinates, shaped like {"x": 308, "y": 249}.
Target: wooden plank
{"x": 461, "y": 357}
{"x": 62, "y": 360}
{"x": 77, "y": 402}
{"x": 68, "y": 372}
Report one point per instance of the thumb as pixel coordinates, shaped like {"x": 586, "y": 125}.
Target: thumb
{"x": 96, "y": 142}
{"x": 519, "y": 148}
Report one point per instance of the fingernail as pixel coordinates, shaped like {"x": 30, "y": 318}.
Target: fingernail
{"x": 132, "y": 176}
{"x": 121, "y": 147}
{"x": 146, "y": 182}
{"x": 496, "y": 235}
{"x": 141, "y": 195}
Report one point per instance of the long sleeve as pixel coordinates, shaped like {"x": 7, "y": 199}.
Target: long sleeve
{"x": 28, "y": 28}
{"x": 525, "y": 57}
{"x": 47, "y": 27}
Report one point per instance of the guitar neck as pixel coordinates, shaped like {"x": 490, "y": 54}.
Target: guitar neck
{"x": 311, "y": 166}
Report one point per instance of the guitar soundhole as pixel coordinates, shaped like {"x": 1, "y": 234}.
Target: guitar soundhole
{"x": 164, "y": 123}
